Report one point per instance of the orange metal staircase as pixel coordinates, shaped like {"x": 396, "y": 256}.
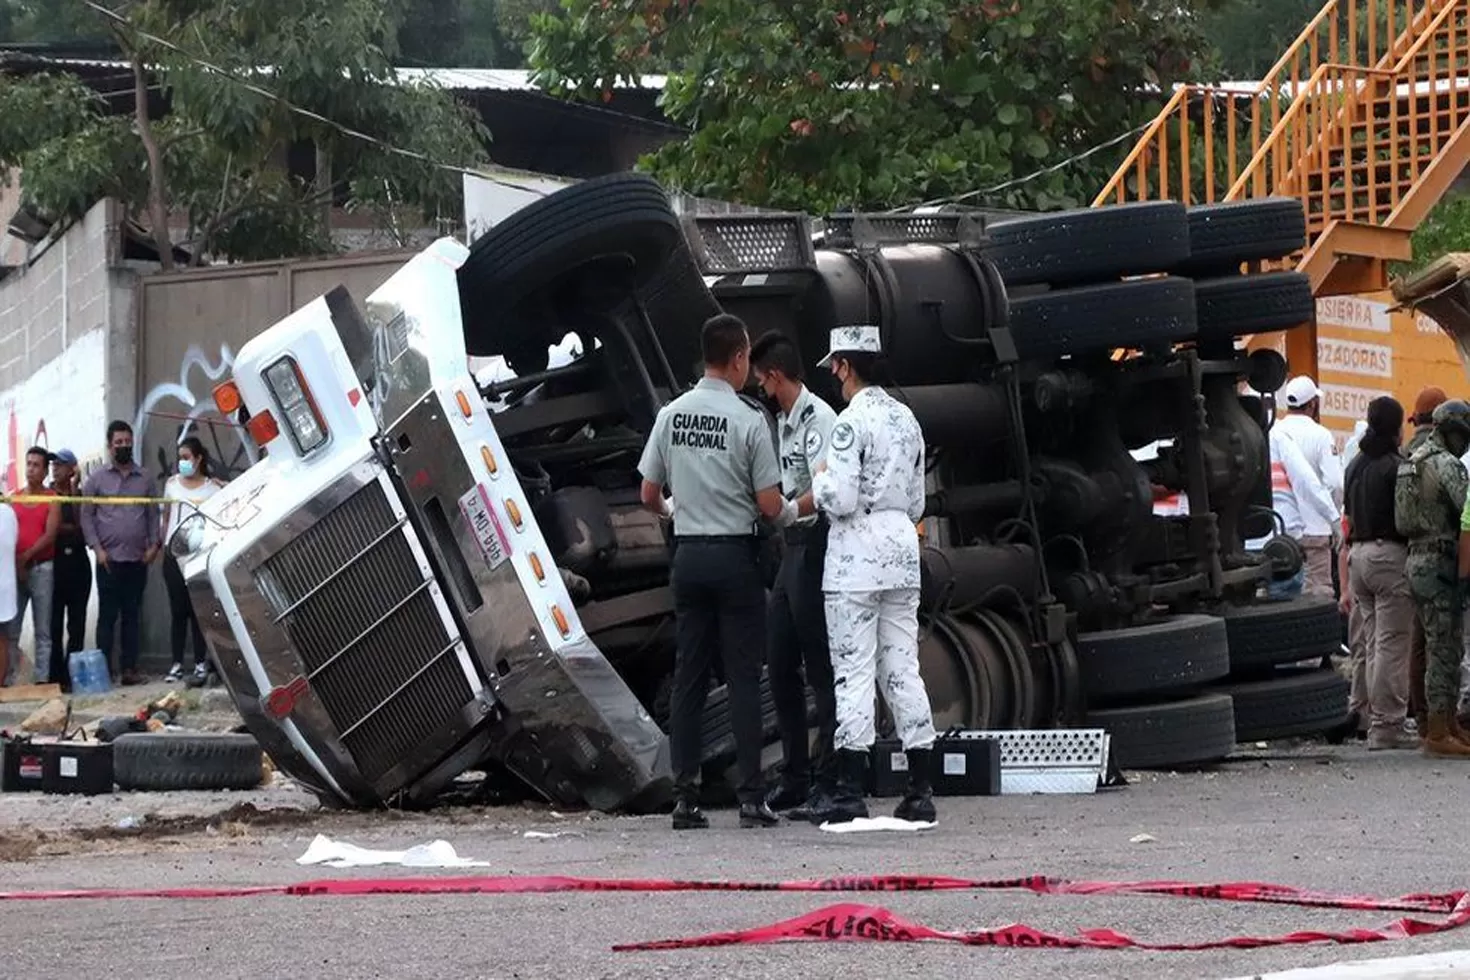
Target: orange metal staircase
{"x": 1365, "y": 119}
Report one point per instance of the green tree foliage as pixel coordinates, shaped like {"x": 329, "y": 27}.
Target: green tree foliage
{"x": 823, "y": 104}
{"x": 216, "y": 156}
{"x": 1250, "y": 35}
{"x": 1445, "y": 229}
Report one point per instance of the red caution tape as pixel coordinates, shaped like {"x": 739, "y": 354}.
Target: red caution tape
{"x": 862, "y": 922}
{"x": 849, "y": 921}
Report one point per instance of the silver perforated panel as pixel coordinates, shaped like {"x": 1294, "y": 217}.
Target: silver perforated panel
{"x": 750, "y": 243}
{"x": 1049, "y": 748}
{"x": 948, "y": 228}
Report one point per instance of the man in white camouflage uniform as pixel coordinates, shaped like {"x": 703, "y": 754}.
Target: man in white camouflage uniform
{"x": 871, "y": 487}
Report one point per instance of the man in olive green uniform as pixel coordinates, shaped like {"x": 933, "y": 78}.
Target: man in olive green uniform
{"x": 1429, "y": 499}
{"x": 1423, "y": 419}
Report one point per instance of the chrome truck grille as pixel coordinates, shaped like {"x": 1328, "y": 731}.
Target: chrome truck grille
{"x": 374, "y": 648}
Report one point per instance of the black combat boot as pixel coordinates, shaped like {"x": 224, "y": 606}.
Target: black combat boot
{"x": 918, "y": 802}
{"x": 820, "y": 798}
{"x": 757, "y": 814}
{"x": 846, "y": 803}
{"x": 688, "y": 816}
{"x": 788, "y": 793}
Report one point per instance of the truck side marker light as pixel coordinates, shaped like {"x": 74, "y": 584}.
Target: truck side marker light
{"x": 262, "y": 427}
{"x": 561, "y": 621}
{"x": 536, "y": 568}
{"x": 489, "y": 459}
{"x": 514, "y": 512}
{"x": 353, "y": 397}
{"x": 227, "y": 398}
{"x": 464, "y": 404}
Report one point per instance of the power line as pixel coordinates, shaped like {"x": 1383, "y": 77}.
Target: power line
{"x": 1035, "y": 174}
{"x": 300, "y": 110}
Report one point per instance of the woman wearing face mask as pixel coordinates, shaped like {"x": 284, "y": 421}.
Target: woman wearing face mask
{"x": 871, "y": 487}
{"x": 185, "y": 492}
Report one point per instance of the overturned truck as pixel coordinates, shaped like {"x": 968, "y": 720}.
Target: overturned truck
{"x": 426, "y": 576}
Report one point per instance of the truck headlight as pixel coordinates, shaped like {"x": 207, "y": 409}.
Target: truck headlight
{"x": 304, "y": 422}
{"x": 188, "y": 536}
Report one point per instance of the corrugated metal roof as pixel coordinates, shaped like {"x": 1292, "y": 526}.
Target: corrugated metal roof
{"x": 458, "y": 79}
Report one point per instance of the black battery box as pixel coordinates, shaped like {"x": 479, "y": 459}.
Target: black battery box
{"x": 21, "y": 765}
{"x": 959, "y": 767}
{"x": 83, "y": 768}
{"x": 50, "y": 765}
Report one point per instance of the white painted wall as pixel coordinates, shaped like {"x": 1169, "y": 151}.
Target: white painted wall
{"x": 61, "y": 406}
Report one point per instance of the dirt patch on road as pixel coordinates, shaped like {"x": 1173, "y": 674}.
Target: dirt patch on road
{"x": 236, "y": 821}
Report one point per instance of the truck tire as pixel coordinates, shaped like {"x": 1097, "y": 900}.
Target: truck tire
{"x": 716, "y": 733}
{"x": 1291, "y": 704}
{"x": 164, "y": 762}
{"x": 1223, "y": 236}
{"x": 1234, "y": 306}
{"x": 1090, "y": 319}
{"x": 1174, "y": 734}
{"x": 1089, "y": 245}
{"x": 1177, "y": 654}
{"x": 539, "y": 244}
{"x": 678, "y": 302}
{"x": 1269, "y": 633}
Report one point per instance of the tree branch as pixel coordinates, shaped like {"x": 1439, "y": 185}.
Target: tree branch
{"x": 157, "y": 202}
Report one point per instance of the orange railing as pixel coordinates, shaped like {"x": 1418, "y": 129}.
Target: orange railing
{"x": 1213, "y": 143}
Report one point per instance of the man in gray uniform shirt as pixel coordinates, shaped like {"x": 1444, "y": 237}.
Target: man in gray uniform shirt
{"x": 796, "y": 634}
{"x": 714, "y": 453}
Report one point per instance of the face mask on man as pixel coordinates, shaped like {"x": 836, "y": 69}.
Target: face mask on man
{"x": 122, "y": 455}
{"x": 186, "y": 467}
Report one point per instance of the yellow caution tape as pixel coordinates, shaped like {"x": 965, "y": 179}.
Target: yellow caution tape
{"x": 23, "y": 498}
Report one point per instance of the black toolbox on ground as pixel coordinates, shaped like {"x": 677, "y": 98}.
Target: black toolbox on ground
{"x": 49, "y": 765}
{"x": 960, "y": 767}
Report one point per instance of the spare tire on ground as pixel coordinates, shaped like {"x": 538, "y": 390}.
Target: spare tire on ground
{"x": 1282, "y": 632}
{"x": 537, "y": 246}
{"x": 1089, "y": 245}
{"x": 1290, "y": 704}
{"x": 168, "y": 761}
{"x": 1176, "y": 654}
{"x": 1174, "y": 734}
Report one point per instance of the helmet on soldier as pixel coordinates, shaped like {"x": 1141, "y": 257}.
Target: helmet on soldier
{"x": 1452, "y": 422}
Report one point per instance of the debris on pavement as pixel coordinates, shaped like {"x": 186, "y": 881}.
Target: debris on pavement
{"x": 869, "y": 824}
{"x": 49, "y": 719}
{"x": 341, "y": 854}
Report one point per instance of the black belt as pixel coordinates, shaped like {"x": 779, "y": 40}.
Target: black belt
{"x": 715, "y": 538}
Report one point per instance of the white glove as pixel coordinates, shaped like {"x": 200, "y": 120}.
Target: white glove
{"x": 788, "y": 515}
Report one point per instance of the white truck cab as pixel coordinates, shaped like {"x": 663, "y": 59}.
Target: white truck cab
{"x": 384, "y": 608}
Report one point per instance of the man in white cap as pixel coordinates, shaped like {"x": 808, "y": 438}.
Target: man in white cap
{"x": 1308, "y": 498}
{"x": 871, "y": 487}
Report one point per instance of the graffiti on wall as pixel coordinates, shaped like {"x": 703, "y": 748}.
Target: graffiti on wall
{"x": 174, "y": 410}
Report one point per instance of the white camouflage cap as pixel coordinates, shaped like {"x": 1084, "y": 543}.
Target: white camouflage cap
{"x": 853, "y": 340}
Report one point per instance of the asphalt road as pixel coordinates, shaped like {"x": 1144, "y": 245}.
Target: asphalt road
{"x": 1330, "y": 819}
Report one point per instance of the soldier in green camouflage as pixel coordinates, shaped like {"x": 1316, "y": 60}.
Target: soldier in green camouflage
{"x": 1429, "y": 496}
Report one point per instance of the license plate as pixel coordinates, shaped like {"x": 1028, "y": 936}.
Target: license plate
{"x": 486, "y": 526}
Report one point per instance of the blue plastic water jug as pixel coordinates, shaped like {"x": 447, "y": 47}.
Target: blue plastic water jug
{"x": 89, "y": 673}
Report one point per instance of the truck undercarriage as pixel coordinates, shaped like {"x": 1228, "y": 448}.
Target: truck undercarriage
{"x": 425, "y": 577}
